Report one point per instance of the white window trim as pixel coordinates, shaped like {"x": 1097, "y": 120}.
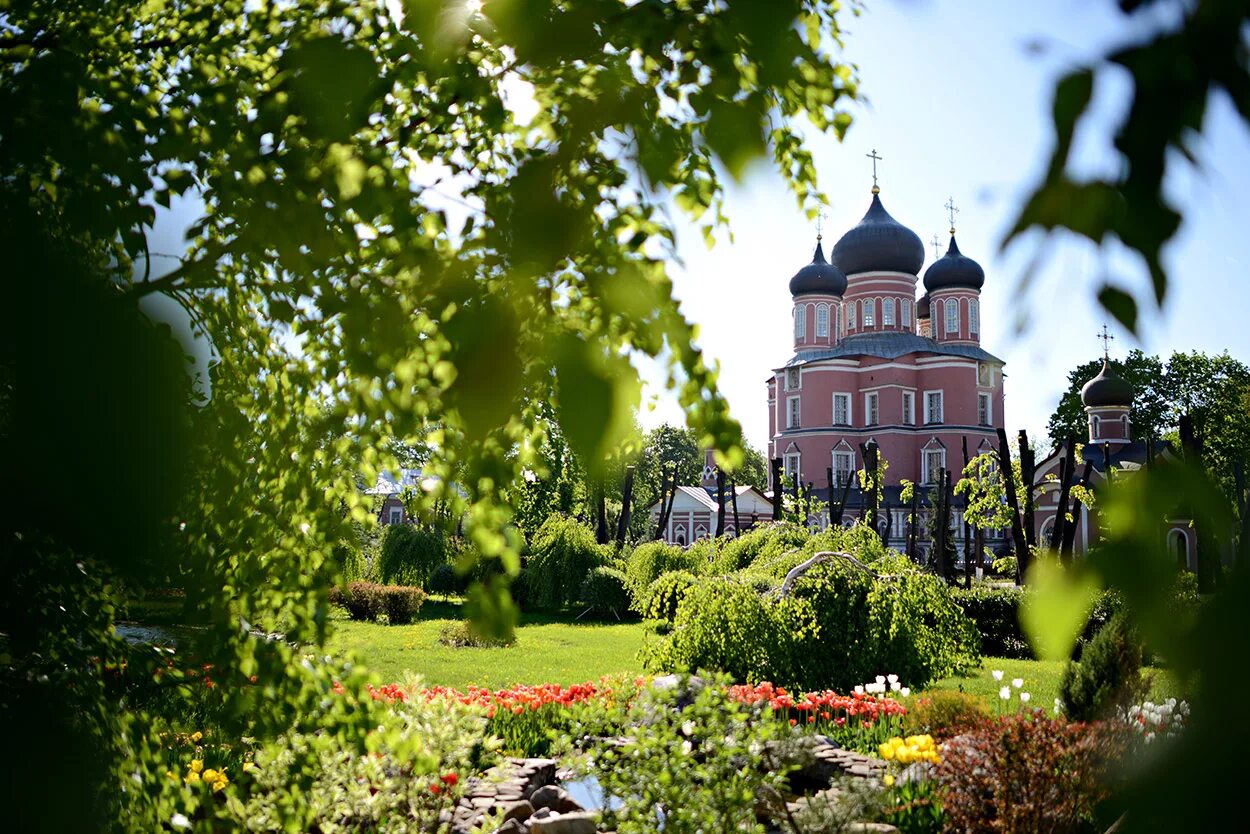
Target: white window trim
{"x": 850, "y": 409}
{"x": 887, "y": 312}
{"x": 800, "y": 321}
{"x": 794, "y": 417}
{"x": 850, "y": 315}
{"x": 868, "y": 408}
{"x": 941, "y": 392}
{"x": 952, "y": 305}
{"x": 909, "y": 414}
{"x": 924, "y": 464}
{"x": 847, "y": 455}
{"x": 974, "y": 316}
{"x": 395, "y": 515}
{"x": 869, "y": 313}
{"x": 989, "y": 409}
{"x": 822, "y": 320}
{"x": 836, "y": 320}
{"x": 797, "y": 472}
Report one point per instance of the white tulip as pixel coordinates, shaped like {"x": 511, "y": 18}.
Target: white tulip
{"x": 892, "y": 678}
{"x": 1005, "y": 693}
{"x": 859, "y": 690}
{"x": 1017, "y": 682}
{"x": 998, "y": 674}
{"x": 905, "y": 691}
{"x": 1024, "y": 697}
{"x": 880, "y": 678}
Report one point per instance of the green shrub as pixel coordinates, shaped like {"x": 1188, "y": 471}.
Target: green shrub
{"x": 562, "y": 554}
{"x": 1006, "y": 566}
{"x": 463, "y": 635}
{"x": 666, "y": 593}
{"x": 410, "y": 554}
{"x": 445, "y": 580}
{"x": 1108, "y": 675}
{"x": 944, "y": 713}
{"x": 363, "y": 601}
{"x": 837, "y": 628}
{"x": 647, "y": 563}
{"x": 996, "y": 613}
{"x": 402, "y": 603}
{"x": 604, "y": 590}
{"x": 765, "y": 541}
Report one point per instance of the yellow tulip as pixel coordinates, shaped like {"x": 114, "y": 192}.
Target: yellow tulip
{"x": 196, "y": 736}
{"x": 196, "y": 765}
{"x": 889, "y": 780}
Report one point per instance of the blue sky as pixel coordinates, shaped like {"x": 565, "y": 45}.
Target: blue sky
{"x": 959, "y": 102}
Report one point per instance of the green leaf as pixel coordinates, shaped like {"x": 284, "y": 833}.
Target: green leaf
{"x": 1120, "y": 305}
{"x": 333, "y": 85}
{"x": 1058, "y": 608}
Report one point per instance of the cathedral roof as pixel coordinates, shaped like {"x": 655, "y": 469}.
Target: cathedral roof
{"x": 819, "y": 277}
{"x": 954, "y": 270}
{"x": 879, "y": 244}
{"x": 1107, "y": 389}
{"x": 890, "y": 346}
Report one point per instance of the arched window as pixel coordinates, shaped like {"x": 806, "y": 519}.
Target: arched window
{"x": 870, "y": 312}
{"x": 1178, "y": 544}
{"x": 1097, "y": 430}
{"x": 974, "y": 316}
{"x": 800, "y": 321}
{"x": 837, "y": 322}
{"x": 887, "y": 311}
{"x": 850, "y": 315}
{"x": 679, "y": 536}
{"x": 907, "y": 312}
{"x": 1048, "y": 527}
{"x": 952, "y": 317}
{"x": 822, "y": 319}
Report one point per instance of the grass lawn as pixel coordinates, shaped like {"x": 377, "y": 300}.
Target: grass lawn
{"x": 549, "y": 649}
{"x": 1041, "y": 681}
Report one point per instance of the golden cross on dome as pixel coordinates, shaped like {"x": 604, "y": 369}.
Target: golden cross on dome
{"x": 875, "y": 159}
{"x": 1106, "y": 343}
{"x": 951, "y": 211}
{"x": 820, "y": 225}
{"x": 936, "y": 243}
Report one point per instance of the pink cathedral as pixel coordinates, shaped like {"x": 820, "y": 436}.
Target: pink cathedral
{"x": 875, "y": 360}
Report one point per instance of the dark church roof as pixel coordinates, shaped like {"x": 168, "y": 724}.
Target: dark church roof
{"x": 879, "y": 244}
{"x": 1107, "y": 389}
{"x": 955, "y": 270}
{"x": 819, "y": 277}
{"x": 890, "y": 346}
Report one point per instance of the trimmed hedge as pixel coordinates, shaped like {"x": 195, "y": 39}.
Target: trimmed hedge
{"x": 996, "y": 613}
{"x": 369, "y": 602}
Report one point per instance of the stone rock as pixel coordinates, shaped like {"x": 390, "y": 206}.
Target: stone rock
{"x": 554, "y": 797}
{"x": 871, "y": 828}
{"x": 541, "y": 814}
{"x": 578, "y": 822}
{"x": 519, "y": 811}
{"x": 510, "y": 826}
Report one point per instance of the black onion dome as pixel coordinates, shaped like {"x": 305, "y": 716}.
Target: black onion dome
{"x": 954, "y": 271}
{"x": 1107, "y": 389}
{"x": 922, "y": 307}
{"x": 879, "y": 244}
{"x": 818, "y": 277}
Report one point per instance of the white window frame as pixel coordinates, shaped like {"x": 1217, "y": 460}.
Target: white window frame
{"x": 974, "y": 316}
{"x": 906, "y": 309}
{"x": 837, "y": 320}
{"x": 794, "y": 412}
{"x": 985, "y": 405}
{"x": 950, "y": 317}
{"x": 872, "y": 409}
{"x": 1095, "y": 427}
{"x": 869, "y": 315}
{"x": 843, "y": 466}
{"x": 887, "y": 312}
{"x": 822, "y": 320}
{"x": 926, "y": 472}
{"x": 797, "y": 376}
{"x": 909, "y": 408}
{"x": 800, "y": 321}
{"x": 793, "y": 470}
{"x": 850, "y": 315}
{"x": 941, "y": 406}
{"x": 847, "y": 399}
{"x": 395, "y": 515}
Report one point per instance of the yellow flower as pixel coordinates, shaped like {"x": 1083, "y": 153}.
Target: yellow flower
{"x": 209, "y": 775}
{"x": 172, "y": 775}
{"x": 889, "y": 780}
{"x": 192, "y": 777}
{"x": 886, "y": 751}
{"x": 196, "y": 765}
{"x": 249, "y": 766}
{"x": 196, "y": 736}
{"x": 220, "y": 784}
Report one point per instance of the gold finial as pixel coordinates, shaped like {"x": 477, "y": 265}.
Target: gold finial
{"x": 875, "y": 159}
{"x": 936, "y": 243}
{"x": 1106, "y": 343}
{"x": 951, "y": 211}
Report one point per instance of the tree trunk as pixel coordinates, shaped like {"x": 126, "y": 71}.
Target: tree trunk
{"x": 601, "y": 529}
{"x": 967, "y": 527}
{"x": 1019, "y": 542}
{"x": 1067, "y": 469}
{"x": 1067, "y": 549}
{"x": 733, "y": 497}
{"x": 776, "y": 489}
{"x": 846, "y": 493}
{"x": 720, "y": 502}
{"x": 912, "y": 522}
{"x": 939, "y": 526}
{"x": 666, "y": 503}
{"x": 1027, "y": 471}
{"x": 627, "y": 497}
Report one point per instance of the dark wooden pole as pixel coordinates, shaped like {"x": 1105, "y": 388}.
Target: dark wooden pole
{"x": 846, "y": 492}
{"x": 1027, "y": 471}
{"x": 1019, "y": 542}
{"x": 967, "y": 527}
{"x": 912, "y": 522}
{"x": 1067, "y": 471}
{"x": 601, "y": 529}
{"x": 1067, "y": 549}
{"x": 733, "y": 497}
{"x": 720, "y": 502}
{"x": 627, "y": 498}
{"x": 776, "y": 489}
